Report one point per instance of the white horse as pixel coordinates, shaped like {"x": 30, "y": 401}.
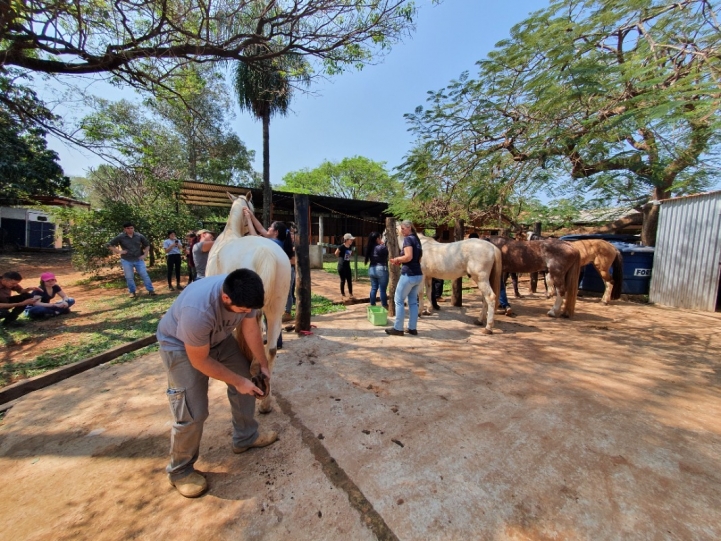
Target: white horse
{"x": 234, "y": 250}
{"x": 476, "y": 258}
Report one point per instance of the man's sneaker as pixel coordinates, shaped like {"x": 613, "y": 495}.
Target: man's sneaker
{"x": 133, "y": 295}
{"x": 287, "y": 317}
{"x": 265, "y": 439}
{"x": 394, "y": 332}
{"x": 190, "y": 486}
{"x": 152, "y": 293}
{"x": 412, "y": 331}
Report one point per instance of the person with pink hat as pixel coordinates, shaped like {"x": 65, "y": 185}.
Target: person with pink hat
{"x": 44, "y": 307}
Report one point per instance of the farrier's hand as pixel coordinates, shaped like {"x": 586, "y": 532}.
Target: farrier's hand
{"x": 246, "y": 387}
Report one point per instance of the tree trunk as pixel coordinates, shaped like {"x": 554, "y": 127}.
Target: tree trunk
{"x": 534, "y": 275}
{"x": 457, "y": 289}
{"x": 650, "y": 217}
{"x": 267, "y": 191}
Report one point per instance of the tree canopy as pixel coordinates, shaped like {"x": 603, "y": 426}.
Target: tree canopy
{"x": 616, "y": 97}
{"x": 27, "y": 166}
{"x": 143, "y": 42}
{"x": 351, "y": 178}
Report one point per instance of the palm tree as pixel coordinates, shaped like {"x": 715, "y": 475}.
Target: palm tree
{"x": 264, "y": 88}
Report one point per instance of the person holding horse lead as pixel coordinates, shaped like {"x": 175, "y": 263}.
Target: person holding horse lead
{"x": 377, "y": 255}
{"x": 343, "y": 253}
{"x": 279, "y": 233}
{"x": 197, "y": 343}
{"x": 410, "y": 280}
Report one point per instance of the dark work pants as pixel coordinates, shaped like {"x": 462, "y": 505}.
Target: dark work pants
{"x": 11, "y": 314}
{"x": 346, "y": 275}
{"x": 173, "y": 264}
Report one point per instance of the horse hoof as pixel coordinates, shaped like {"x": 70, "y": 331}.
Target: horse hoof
{"x": 487, "y": 331}
{"x": 565, "y": 315}
{"x": 265, "y": 406}
{"x": 551, "y": 314}
{"x": 426, "y": 313}
{"x": 436, "y": 307}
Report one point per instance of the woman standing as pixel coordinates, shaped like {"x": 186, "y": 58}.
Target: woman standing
{"x": 173, "y": 248}
{"x": 377, "y": 255}
{"x": 410, "y": 280}
{"x": 343, "y": 253}
{"x": 44, "y": 294}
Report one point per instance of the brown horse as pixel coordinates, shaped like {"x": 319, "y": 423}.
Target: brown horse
{"x": 558, "y": 257}
{"x": 603, "y": 255}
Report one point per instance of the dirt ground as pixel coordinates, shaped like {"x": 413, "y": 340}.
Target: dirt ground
{"x": 605, "y": 426}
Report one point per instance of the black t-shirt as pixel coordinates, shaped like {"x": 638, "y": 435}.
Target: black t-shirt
{"x": 43, "y": 294}
{"x": 413, "y": 267}
{"x": 344, "y": 254}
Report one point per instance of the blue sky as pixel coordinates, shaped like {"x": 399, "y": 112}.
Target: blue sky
{"x": 361, "y": 112}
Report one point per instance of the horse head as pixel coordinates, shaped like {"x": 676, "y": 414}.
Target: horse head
{"x": 236, "y": 221}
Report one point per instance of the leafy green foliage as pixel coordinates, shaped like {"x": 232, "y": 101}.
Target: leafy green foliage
{"x": 617, "y": 98}
{"x": 351, "y": 178}
{"x": 27, "y": 166}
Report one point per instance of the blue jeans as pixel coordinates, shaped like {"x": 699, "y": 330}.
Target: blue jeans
{"x": 40, "y": 312}
{"x": 407, "y": 288}
{"x": 291, "y": 294}
{"x": 139, "y": 267}
{"x": 502, "y": 297}
{"x": 379, "y": 282}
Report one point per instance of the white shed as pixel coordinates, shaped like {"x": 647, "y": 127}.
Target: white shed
{"x": 687, "y": 259}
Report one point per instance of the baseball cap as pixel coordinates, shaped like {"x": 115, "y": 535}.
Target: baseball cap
{"x": 348, "y": 236}
{"x": 201, "y": 231}
{"x": 47, "y": 276}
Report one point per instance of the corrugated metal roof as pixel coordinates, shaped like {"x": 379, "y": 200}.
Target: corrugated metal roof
{"x": 688, "y": 252}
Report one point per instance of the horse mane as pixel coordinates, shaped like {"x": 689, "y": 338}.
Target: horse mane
{"x": 236, "y": 222}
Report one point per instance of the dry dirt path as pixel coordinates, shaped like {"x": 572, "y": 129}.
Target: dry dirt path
{"x": 606, "y": 426}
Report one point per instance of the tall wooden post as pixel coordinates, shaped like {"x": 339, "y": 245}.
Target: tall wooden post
{"x": 302, "y": 267}
{"x": 534, "y": 275}
{"x": 457, "y": 292}
{"x": 395, "y": 270}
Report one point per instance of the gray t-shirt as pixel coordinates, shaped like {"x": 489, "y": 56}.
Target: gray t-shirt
{"x": 200, "y": 258}
{"x": 134, "y": 245}
{"x": 198, "y": 317}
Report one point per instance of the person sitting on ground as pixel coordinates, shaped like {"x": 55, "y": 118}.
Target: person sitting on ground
{"x": 11, "y": 306}
{"x": 343, "y": 253}
{"x": 201, "y": 251}
{"x": 44, "y": 307}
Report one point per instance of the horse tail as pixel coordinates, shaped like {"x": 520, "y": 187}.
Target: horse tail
{"x": 617, "y": 276}
{"x": 572, "y": 284}
{"x": 495, "y": 276}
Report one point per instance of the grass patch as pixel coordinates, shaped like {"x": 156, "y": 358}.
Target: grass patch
{"x": 332, "y": 268}
{"x": 112, "y": 321}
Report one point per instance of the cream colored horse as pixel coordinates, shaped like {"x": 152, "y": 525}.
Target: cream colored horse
{"x": 234, "y": 250}
{"x": 478, "y": 259}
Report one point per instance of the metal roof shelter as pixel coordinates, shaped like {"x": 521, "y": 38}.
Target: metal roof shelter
{"x": 687, "y": 259}
{"x": 338, "y": 215}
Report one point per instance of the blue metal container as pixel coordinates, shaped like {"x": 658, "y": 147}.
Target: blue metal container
{"x": 637, "y": 266}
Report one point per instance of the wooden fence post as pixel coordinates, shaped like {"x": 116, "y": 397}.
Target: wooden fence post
{"x": 302, "y": 267}
{"x": 459, "y": 232}
{"x": 395, "y": 270}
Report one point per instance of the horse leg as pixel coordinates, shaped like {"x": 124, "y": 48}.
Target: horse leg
{"x": 514, "y": 279}
{"x": 489, "y": 305}
{"x": 425, "y": 293}
{"x": 560, "y": 287}
{"x": 608, "y": 282}
{"x": 273, "y": 323}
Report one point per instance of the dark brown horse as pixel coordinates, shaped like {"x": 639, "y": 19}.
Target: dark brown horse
{"x": 558, "y": 257}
